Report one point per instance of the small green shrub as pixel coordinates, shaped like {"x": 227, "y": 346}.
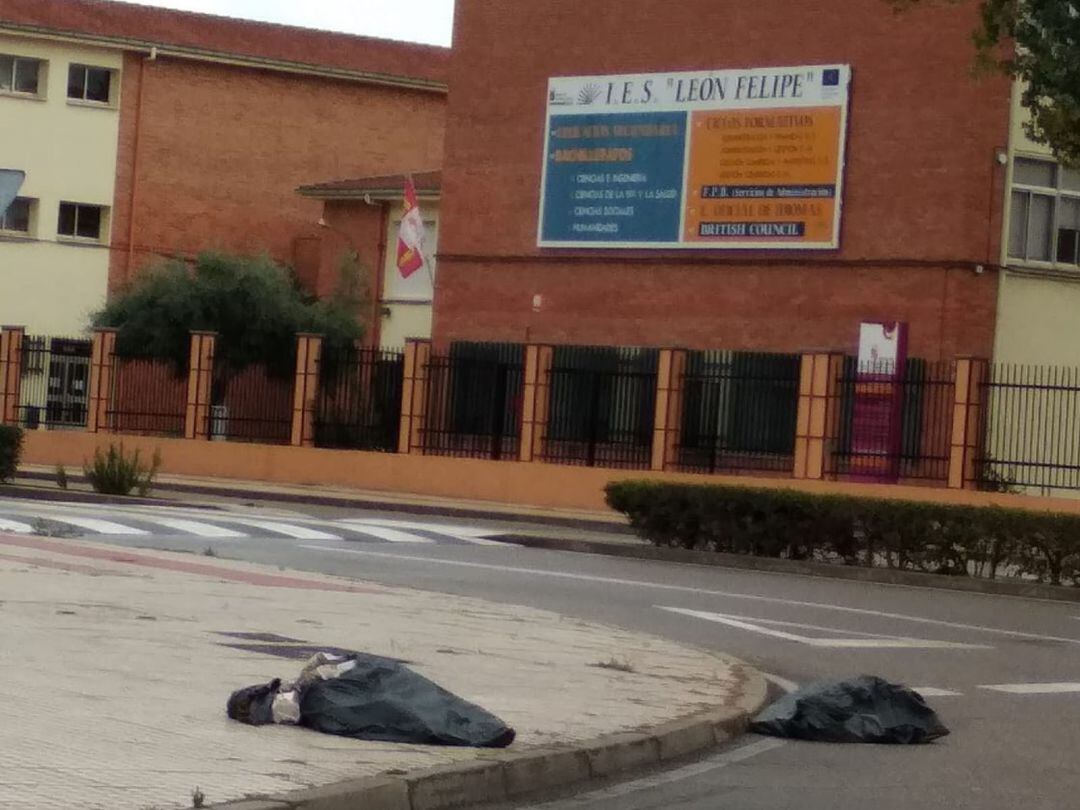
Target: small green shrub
{"x": 114, "y": 473}
{"x": 61, "y": 476}
{"x": 947, "y": 539}
{"x": 10, "y": 449}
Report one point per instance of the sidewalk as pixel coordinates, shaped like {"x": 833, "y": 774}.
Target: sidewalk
{"x": 37, "y": 475}
{"x": 117, "y": 664}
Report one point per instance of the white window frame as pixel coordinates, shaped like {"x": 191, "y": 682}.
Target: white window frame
{"x": 42, "y": 66}
{"x": 31, "y": 225}
{"x": 83, "y": 100}
{"x": 103, "y": 228}
{"x": 1057, "y": 193}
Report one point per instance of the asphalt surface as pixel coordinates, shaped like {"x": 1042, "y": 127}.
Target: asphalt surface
{"x": 1003, "y": 672}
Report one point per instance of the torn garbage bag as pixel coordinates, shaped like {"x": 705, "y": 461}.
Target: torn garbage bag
{"x": 371, "y": 698}
{"x": 865, "y": 709}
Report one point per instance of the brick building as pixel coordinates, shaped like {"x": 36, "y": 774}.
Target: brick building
{"x": 923, "y": 187}
{"x": 205, "y": 130}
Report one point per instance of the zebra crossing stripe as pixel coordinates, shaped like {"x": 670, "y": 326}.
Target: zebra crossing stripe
{"x": 194, "y": 527}
{"x": 1033, "y": 688}
{"x": 97, "y": 525}
{"x": 288, "y": 529}
{"x": 15, "y": 526}
{"x": 466, "y": 534}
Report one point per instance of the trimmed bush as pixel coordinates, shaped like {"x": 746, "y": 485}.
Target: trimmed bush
{"x": 114, "y": 473}
{"x": 10, "y": 449}
{"x": 935, "y": 538}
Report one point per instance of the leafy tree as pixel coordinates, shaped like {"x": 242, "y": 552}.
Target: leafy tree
{"x": 1038, "y": 43}
{"x": 255, "y": 306}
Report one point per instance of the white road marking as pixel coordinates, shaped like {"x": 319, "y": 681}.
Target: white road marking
{"x": 933, "y": 691}
{"x": 713, "y": 763}
{"x": 15, "y": 526}
{"x": 97, "y": 525}
{"x": 195, "y": 527}
{"x": 1033, "y": 688}
{"x": 389, "y": 535}
{"x": 288, "y": 529}
{"x": 537, "y": 572}
{"x": 467, "y": 534}
{"x": 783, "y": 683}
{"x": 871, "y": 641}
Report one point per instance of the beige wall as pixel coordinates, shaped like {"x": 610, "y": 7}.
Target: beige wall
{"x": 407, "y": 302}
{"x": 1037, "y": 309}
{"x": 68, "y": 152}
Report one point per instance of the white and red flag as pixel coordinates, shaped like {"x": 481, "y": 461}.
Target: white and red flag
{"x": 410, "y": 246}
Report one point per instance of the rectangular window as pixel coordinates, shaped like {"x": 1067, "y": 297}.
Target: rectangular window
{"x": 19, "y": 74}
{"x": 1044, "y": 219}
{"x": 81, "y": 221}
{"x": 86, "y": 83}
{"x": 17, "y": 218}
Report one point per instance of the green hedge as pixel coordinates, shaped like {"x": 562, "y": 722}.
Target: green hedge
{"x": 852, "y": 530}
{"x": 10, "y": 448}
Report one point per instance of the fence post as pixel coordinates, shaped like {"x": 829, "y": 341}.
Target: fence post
{"x": 816, "y": 420}
{"x": 200, "y": 380}
{"x": 413, "y": 393}
{"x": 667, "y": 421}
{"x": 966, "y": 422}
{"x": 102, "y": 371}
{"x": 535, "y": 391}
{"x": 306, "y": 388}
{"x": 11, "y": 355}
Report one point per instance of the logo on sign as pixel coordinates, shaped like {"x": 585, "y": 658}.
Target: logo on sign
{"x": 590, "y": 94}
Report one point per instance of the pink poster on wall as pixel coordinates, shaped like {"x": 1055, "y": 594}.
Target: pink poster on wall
{"x": 877, "y": 410}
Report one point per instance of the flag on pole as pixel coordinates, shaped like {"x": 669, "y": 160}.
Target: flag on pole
{"x": 410, "y": 246}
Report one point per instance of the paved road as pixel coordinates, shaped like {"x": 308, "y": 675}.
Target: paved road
{"x": 1004, "y": 673}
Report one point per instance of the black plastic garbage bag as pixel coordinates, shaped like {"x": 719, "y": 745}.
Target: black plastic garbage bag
{"x": 864, "y": 709}
{"x": 382, "y": 700}
{"x": 253, "y": 704}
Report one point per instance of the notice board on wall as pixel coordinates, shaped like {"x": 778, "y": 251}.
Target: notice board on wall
{"x": 724, "y": 159}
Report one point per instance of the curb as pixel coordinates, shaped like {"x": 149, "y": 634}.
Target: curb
{"x": 500, "y": 777}
{"x": 314, "y": 499}
{"x": 36, "y": 493}
{"x": 771, "y": 565}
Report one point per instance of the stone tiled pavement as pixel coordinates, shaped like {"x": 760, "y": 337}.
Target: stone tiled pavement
{"x": 115, "y": 677}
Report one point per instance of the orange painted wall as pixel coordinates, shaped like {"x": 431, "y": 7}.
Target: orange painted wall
{"x": 517, "y": 483}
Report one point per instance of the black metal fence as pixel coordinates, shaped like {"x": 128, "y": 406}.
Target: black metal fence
{"x": 1031, "y": 436}
{"x": 738, "y": 412}
{"x": 893, "y": 430}
{"x": 473, "y": 401}
{"x": 148, "y": 397}
{"x": 55, "y": 381}
{"x": 601, "y": 407}
{"x": 252, "y": 405}
{"x": 359, "y": 399}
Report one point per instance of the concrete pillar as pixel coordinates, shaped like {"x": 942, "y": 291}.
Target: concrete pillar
{"x": 667, "y": 421}
{"x": 200, "y": 382}
{"x": 306, "y": 388}
{"x": 102, "y": 374}
{"x": 414, "y": 394}
{"x": 11, "y": 355}
{"x": 535, "y": 394}
{"x": 818, "y": 413}
{"x": 967, "y": 422}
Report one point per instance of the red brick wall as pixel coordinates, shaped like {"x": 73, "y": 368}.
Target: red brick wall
{"x": 922, "y": 188}
{"x": 221, "y": 151}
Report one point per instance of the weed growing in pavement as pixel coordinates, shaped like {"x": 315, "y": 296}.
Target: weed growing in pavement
{"x": 61, "y": 476}
{"x": 115, "y": 473}
{"x": 614, "y": 664}
{"x": 209, "y": 552}
{"x": 198, "y": 798}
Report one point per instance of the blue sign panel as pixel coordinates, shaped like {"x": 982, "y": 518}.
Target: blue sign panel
{"x": 614, "y": 178}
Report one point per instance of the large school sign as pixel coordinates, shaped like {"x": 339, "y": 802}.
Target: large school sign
{"x": 723, "y": 159}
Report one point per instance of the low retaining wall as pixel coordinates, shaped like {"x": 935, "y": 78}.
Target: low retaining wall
{"x": 537, "y": 484}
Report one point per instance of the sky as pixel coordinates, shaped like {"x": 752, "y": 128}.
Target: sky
{"x": 416, "y": 20}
